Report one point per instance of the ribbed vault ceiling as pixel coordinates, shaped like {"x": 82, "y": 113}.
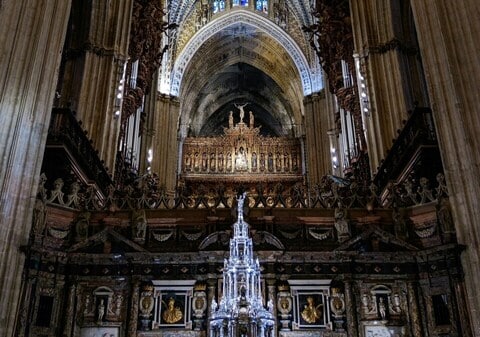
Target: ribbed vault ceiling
{"x": 241, "y": 64}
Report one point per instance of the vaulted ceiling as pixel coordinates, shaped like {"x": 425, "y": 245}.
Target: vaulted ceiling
{"x": 239, "y": 65}
{"x": 249, "y": 59}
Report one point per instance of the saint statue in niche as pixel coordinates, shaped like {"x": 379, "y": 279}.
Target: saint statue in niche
{"x": 229, "y": 161}
{"x": 241, "y": 160}
{"x": 270, "y": 162}
{"x": 188, "y": 162}
{"x": 382, "y": 308}
{"x": 204, "y": 161}
{"x": 220, "y": 161}
{"x": 212, "y": 161}
{"x": 101, "y": 311}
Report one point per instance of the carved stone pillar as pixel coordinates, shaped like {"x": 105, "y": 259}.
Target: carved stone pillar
{"x": 413, "y": 310}
{"x": 388, "y": 56}
{"x": 317, "y": 144}
{"x": 25, "y": 311}
{"x": 351, "y": 309}
{"x": 199, "y": 306}
{"x": 161, "y": 138}
{"x": 446, "y": 33}
{"x": 133, "y": 322}
{"x": 97, "y": 64}
{"x": 31, "y": 41}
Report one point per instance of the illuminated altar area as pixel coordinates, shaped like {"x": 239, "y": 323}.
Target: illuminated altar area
{"x": 241, "y": 152}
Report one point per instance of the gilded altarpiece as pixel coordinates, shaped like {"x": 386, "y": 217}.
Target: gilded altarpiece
{"x": 243, "y": 155}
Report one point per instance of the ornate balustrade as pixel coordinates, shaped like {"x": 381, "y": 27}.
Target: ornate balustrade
{"x": 333, "y": 192}
{"x": 408, "y": 150}
{"x": 65, "y": 131}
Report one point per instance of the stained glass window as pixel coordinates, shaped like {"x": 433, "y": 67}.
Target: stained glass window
{"x": 218, "y": 6}
{"x": 262, "y": 6}
{"x": 243, "y": 3}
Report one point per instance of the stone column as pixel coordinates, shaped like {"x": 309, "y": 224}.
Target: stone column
{"x": 448, "y": 42}
{"x": 24, "y": 317}
{"x": 386, "y": 50}
{"x": 92, "y": 78}
{"x": 163, "y": 139}
{"x": 31, "y": 40}
{"x": 351, "y": 309}
{"x": 415, "y": 323}
{"x": 318, "y": 160}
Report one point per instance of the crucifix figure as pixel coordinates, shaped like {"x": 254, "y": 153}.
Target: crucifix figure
{"x": 242, "y": 112}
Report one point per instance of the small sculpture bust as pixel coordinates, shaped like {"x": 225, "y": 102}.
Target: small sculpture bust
{"x": 172, "y": 314}
{"x": 311, "y": 313}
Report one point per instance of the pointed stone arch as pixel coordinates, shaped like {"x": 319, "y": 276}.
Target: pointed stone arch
{"x": 248, "y": 18}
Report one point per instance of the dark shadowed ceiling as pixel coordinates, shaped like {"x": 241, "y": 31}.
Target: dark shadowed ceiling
{"x": 241, "y": 64}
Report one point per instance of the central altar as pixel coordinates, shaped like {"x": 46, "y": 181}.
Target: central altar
{"x": 241, "y": 154}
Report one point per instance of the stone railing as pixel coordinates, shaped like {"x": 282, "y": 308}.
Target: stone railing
{"x": 333, "y": 192}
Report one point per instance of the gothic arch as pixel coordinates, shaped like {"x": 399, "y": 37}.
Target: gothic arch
{"x": 248, "y": 18}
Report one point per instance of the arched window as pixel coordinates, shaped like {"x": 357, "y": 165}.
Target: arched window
{"x": 262, "y": 6}
{"x": 243, "y": 3}
{"x": 218, "y": 6}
